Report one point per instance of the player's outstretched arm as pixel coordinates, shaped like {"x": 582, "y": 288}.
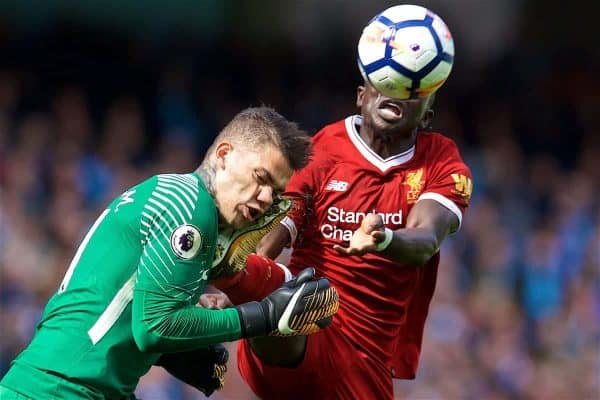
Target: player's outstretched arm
{"x": 300, "y": 307}
{"x": 427, "y": 225}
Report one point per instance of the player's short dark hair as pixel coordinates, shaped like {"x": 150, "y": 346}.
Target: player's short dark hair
{"x": 257, "y": 126}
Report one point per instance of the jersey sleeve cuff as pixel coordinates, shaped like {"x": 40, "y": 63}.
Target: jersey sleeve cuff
{"x": 288, "y": 276}
{"x": 446, "y": 202}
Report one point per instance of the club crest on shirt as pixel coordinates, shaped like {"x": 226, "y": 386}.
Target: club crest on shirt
{"x": 186, "y": 241}
{"x": 415, "y": 183}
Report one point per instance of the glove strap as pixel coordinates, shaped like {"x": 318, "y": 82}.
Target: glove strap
{"x": 253, "y": 319}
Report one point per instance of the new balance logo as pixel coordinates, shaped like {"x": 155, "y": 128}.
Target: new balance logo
{"x": 337, "y": 186}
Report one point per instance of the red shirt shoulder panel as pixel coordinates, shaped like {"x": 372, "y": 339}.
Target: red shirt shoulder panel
{"x": 448, "y": 175}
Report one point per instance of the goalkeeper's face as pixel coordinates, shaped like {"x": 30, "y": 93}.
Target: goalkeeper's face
{"x": 246, "y": 181}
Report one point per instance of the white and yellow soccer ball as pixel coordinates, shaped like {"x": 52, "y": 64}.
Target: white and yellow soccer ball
{"x": 406, "y": 52}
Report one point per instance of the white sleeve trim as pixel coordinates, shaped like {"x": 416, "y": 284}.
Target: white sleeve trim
{"x": 287, "y": 273}
{"x": 446, "y": 202}
{"x": 291, "y": 227}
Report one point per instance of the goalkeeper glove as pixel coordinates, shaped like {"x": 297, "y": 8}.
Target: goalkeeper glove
{"x": 203, "y": 369}
{"x": 299, "y": 307}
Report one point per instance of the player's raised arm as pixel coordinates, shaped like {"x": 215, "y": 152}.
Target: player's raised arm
{"x": 437, "y": 213}
{"x": 427, "y": 226}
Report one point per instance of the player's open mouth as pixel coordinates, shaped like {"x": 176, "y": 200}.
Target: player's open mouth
{"x": 390, "y": 110}
{"x": 250, "y": 213}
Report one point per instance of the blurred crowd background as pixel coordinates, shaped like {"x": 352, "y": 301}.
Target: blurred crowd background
{"x": 96, "y": 96}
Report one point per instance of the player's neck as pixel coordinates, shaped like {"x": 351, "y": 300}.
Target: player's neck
{"x": 388, "y": 145}
{"x": 207, "y": 174}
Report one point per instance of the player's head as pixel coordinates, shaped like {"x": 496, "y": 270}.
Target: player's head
{"x": 251, "y": 160}
{"x": 387, "y": 116}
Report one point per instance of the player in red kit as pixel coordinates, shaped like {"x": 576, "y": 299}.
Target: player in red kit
{"x": 370, "y": 211}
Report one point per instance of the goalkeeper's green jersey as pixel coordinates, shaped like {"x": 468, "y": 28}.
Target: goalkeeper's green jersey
{"x": 129, "y": 294}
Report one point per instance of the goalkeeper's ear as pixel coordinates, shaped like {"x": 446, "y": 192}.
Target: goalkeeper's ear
{"x": 222, "y": 151}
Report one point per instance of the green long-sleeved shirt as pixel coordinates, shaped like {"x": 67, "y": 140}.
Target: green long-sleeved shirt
{"x": 129, "y": 294}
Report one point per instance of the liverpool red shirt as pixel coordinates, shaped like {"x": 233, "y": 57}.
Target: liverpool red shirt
{"x": 383, "y": 304}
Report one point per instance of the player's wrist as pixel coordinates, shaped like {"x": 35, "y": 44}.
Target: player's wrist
{"x": 287, "y": 274}
{"x": 385, "y": 243}
{"x": 253, "y": 319}
{"x": 290, "y": 225}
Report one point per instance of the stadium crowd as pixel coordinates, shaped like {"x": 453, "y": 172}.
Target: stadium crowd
{"x": 516, "y": 312}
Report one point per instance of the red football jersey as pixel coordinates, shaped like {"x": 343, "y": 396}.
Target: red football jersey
{"x": 383, "y": 304}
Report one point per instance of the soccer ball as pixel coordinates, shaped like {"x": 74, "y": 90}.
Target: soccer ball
{"x": 406, "y": 52}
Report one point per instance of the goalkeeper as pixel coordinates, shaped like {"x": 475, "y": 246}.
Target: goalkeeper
{"x": 128, "y": 298}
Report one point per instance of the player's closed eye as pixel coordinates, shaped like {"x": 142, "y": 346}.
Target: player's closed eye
{"x": 264, "y": 178}
{"x": 260, "y": 177}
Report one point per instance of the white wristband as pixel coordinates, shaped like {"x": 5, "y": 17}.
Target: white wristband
{"x": 291, "y": 227}
{"x": 288, "y": 276}
{"x": 385, "y": 243}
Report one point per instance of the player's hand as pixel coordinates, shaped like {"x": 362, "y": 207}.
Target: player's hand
{"x": 302, "y": 306}
{"x": 365, "y": 239}
{"x": 203, "y": 369}
{"x": 214, "y": 298}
